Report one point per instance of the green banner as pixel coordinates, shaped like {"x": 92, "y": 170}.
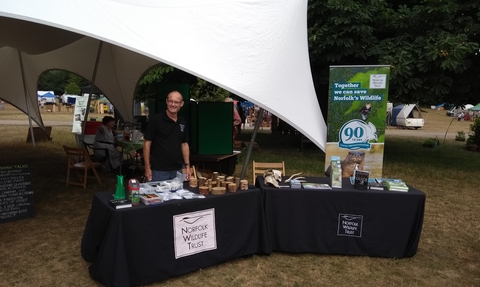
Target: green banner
{"x": 357, "y": 108}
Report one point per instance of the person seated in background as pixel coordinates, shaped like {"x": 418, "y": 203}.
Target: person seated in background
{"x": 105, "y": 140}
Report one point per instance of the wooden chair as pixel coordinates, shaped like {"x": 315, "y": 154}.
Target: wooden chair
{"x": 79, "y": 160}
{"x": 260, "y": 167}
{"x": 101, "y": 159}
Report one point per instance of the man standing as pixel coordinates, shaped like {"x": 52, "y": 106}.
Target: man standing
{"x": 166, "y": 148}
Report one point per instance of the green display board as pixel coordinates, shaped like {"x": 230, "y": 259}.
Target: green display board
{"x": 193, "y": 124}
{"x": 211, "y": 128}
{"x": 210, "y": 123}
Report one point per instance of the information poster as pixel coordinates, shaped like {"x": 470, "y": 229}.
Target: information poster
{"x": 16, "y": 194}
{"x": 357, "y": 107}
{"x": 79, "y": 113}
{"x": 194, "y": 232}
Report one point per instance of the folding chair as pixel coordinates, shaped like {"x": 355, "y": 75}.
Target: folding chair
{"x": 79, "y": 160}
{"x": 261, "y": 167}
{"x": 95, "y": 158}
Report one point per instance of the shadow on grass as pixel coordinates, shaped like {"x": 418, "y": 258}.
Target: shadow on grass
{"x": 448, "y": 156}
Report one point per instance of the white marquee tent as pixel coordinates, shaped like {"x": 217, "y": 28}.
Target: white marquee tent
{"x": 256, "y": 49}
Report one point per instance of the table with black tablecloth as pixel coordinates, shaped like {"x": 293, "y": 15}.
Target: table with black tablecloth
{"x": 135, "y": 246}
{"x": 343, "y": 221}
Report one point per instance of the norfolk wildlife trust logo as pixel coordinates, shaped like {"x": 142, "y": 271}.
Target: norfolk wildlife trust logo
{"x": 378, "y": 81}
{"x": 350, "y": 225}
{"x": 182, "y": 128}
{"x": 194, "y": 232}
{"x": 192, "y": 220}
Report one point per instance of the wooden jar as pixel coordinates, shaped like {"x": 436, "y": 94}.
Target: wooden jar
{"x": 243, "y": 184}
{"x": 203, "y": 190}
{"x": 232, "y": 187}
{"x": 218, "y": 190}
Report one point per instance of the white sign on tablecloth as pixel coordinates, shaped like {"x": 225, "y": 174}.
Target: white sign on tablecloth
{"x": 194, "y": 232}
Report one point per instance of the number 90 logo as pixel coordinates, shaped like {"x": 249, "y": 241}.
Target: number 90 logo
{"x": 355, "y": 132}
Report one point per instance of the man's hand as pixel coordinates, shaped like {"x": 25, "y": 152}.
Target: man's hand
{"x": 188, "y": 172}
{"x": 148, "y": 174}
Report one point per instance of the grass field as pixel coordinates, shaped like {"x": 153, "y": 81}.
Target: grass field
{"x": 45, "y": 250}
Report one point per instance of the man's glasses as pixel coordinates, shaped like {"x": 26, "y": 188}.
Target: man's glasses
{"x": 174, "y": 102}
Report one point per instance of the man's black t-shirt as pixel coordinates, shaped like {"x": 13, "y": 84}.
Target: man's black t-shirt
{"x": 167, "y": 137}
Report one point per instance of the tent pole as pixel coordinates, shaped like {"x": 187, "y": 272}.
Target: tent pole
{"x": 92, "y": 84}
{"x": 258, "y": 122}
{"x": 26, "y": 96}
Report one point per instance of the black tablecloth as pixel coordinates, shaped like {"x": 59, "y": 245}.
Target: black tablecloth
{"x": 135, "y": 246}
{"x": 344, "y": 221}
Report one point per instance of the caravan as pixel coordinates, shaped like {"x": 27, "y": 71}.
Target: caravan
{"x": 404, "y": 116}
{"x": 68, "y": 100}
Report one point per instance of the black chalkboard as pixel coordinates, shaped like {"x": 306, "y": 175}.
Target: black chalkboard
{"x": 16, "y": 194}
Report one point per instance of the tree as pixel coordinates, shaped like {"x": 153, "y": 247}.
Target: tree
{"x": 429, "y": 45}
{"x": 61, "y": 82}
{"x": 74, "y": 85}
{"x": 53, "y": 80}
{"x": 72, "y": 89}
{"x": 200, "y": 90}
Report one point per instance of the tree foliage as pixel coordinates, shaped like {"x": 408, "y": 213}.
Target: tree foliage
{"x": 200, "y": 90}
{"x": 61, "y": 82}
{"x": 53, "y": 80}
{"x": 431, "y": 45}
{"x": 72, "y": 89}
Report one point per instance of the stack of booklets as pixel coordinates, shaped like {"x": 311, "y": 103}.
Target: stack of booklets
{"x": 120, "y": 203}
{"x": 396, "y": 185}
{"x": 309, "y": 185}
{"x": 372, "y": 183}
{"x": 381, "y": 183}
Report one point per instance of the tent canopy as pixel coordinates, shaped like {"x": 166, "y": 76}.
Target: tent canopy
{"x": 47, "y": 95}
{"x": 257, "y": 50}
{"x": 475, "y": 108}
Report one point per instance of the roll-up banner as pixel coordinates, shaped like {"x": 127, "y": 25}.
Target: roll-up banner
{"x": 357, "y": 108}
{"x": 79, "y": 113}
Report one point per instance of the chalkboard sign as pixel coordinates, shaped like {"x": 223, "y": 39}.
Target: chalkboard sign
{"x": 16, "y": 194}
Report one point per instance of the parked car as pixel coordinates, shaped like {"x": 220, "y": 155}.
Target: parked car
{"x": 452, "y": 112}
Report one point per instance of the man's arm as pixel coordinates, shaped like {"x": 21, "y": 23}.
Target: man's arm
{"x": 146, "y": 158}
{"x": 186, "y": 158}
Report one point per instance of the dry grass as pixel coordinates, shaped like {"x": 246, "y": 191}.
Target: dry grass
{"x": 45, "y": 250}
{"x": 12, "y": 113}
